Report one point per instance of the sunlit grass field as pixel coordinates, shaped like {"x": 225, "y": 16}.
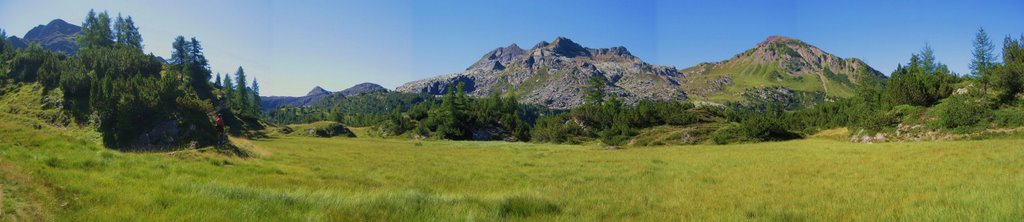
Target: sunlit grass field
{"x": 62, "y": 175}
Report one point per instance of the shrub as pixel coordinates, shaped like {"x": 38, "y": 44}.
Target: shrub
{"x": 331, "y": 130}
{"x": 732, "y": 133}
{"x": 1009, "y": 117}
{"x": 961, "y": 112}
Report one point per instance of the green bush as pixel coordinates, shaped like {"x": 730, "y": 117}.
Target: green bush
{"x": 330, "y": 130}
{"x": 1009, "y": 117}
{"x": 732, "y": 133}
{"x": 961, "y": 112}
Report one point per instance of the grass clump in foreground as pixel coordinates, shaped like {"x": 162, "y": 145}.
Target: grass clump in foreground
{"x": 51, "y": 174}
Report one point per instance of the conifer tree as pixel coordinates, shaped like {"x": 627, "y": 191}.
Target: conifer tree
{"x": 241, "y": 92}
{"x": 983, "y": 58}
{"x": 255, "y": 96}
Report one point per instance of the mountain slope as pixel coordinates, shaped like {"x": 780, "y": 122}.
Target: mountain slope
{"x": 553, "y": 74}
{"x": 57, "y": 35}
{"x": 316, "y": 94}
{"x": 777, "y": 63}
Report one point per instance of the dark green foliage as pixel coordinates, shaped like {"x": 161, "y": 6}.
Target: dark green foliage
{"x": 361, "y": 110}
{"x": 331, "y": 130}
{"x": 556, "y": 129}
{"x": 756, "y": 124}
{"x": 921, "y": 82}
{"x": 394, "y": 124}
{"x": 449, "y": 120}
{"x": 1008, "y": 78}
{"x": 594, "y": 90}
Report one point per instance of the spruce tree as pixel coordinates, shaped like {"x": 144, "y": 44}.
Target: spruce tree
{"x": 241, "y": 92}
{"x": 217, "y": 82}
{"x": 983, "y": 58}
{"x": 126, "y": 33}
{"x": 96, "y": 31}
{"x": 928, "y": 64}
{"x": 255, "y": 96}
{"x": 229, "y": 91}
{"x": 180, "y": 54}
{"x": 594, "y": 90}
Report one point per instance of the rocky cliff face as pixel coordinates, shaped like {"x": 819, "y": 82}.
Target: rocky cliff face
{"x": 554, "y": 74}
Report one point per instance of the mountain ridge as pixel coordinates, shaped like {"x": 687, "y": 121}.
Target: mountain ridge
{"x": 316, "y": 94}
{"x": 57, "y": 35}
{"x": 553, "y": 74}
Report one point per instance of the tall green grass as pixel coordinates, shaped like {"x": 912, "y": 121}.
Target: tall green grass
{"x": 54, "y": 174}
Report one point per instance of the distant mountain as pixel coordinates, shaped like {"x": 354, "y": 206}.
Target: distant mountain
{"x": 554, "y": 74}
{"x": 316, "y": 94}
{"x": 362, "y": 88}
{"x": 317, "y": 91}
{"x": 57, "y": 35}
{"x": 17, "y": 43}
{"x": 777, "y": 64}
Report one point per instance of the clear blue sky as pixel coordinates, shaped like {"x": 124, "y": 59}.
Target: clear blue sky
{"x": 291, "y": 46}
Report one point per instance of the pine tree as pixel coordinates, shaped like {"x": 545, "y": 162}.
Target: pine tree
{"x": 180, "y": 54}
{"x": 983, "y": 58}
{"x": 255, "y": 96}
{"x": 1009, "y": 77}
{"x": 4, "y": 47}
{"x": 96, "y": 31}
{"x": 217, "y": 82}
{"x": 126, "y": 33}
{"x": 229, "y": 91}
{"x": 241, "y": 92}
{"x": 928, "y": 64}
{"x": 594, "y": 90}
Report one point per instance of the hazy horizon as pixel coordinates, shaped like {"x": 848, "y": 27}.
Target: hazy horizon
{"x": 292, "y": 47}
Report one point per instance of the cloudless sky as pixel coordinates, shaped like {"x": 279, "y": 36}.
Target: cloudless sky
{"x": 291, "y": 46}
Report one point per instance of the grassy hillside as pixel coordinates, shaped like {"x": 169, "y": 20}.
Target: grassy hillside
{"x": 777, "y": 62}
{"x": 55, "y": 174}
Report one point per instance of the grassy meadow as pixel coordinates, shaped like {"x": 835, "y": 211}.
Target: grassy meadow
{"x": 63, "y": 175}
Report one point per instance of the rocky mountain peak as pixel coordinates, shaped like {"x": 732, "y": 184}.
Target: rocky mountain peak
{"x": 504, "y": 54}
{"x": 57, "y": 35}
{"x": 777, "y": 38}
{"x": 316, "y": 91}
{"x": 553, "y": 74}
{"x": 57, "y": 26}
{"x": 565, "y": 47}
{"x": 618, "y": 51}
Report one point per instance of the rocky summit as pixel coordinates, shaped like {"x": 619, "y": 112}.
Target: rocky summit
{"x": 57, "y": 35}
{"x": 554, "y": 74}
